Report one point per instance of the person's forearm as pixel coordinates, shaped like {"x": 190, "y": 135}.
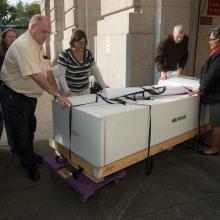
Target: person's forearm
{"x": 62, "y": 78}
{"x": 44, "y": 83}
{"x": 160, "y": 57}
{"x": 95, "y": 71}
{"x": 51, "y": 79}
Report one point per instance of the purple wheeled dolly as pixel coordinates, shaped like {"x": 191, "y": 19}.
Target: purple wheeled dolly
{"x": 82, "y": 184}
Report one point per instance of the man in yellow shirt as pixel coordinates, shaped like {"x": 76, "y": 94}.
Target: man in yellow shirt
{"x": 25, "y": 75}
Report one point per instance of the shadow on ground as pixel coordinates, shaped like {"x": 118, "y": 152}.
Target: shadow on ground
{"x": 183, "y": 185}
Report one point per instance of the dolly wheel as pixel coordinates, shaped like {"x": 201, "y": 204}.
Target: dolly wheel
{"x": 192, "y": 143}
{"x": 61, "y": 159}
{"x": 149, "y": 166}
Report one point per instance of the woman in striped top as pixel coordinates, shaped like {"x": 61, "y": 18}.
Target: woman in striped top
{"x": 75, "y": 65}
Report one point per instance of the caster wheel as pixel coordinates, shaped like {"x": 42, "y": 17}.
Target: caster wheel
{"x": 191, "y": 144}
{"x": 61, "y": 159}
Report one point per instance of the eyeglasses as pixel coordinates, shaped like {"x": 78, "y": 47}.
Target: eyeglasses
{"x": 81, "y": 42}
{"x": 212, "y": 39}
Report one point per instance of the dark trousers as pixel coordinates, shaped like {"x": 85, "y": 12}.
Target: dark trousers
{"x": 1, "y": 115}
{"x": 7, "y": 129}
{"x": 20, "y": 111}
{"x": 1, "y": 124}
{"x": 4, "y": 121}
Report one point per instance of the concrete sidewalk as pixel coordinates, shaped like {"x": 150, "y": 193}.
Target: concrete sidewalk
{"x": 183, "y": 185}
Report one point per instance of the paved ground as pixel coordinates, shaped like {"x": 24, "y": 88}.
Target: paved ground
{"x": 183, "y": 185}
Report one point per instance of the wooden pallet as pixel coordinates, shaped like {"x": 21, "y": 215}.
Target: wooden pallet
{"x": 97, "y": 174}
{"x": 80, "y": 183}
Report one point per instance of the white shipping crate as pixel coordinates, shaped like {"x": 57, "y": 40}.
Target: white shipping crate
{"x": 103, "y": 133}
{"x": 61, "y": 118}
{"x": 174, "y": 115}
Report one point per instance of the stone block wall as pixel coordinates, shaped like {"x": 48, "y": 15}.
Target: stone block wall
{"x": 124, "y": 42}
{"x": 138, "y": 25}
{"x": 67, "y": 15}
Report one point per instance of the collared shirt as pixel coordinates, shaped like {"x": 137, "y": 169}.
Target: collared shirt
{"x": 24, "y": 58}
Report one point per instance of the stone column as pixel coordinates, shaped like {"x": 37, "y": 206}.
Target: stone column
{"x": 125, "y": 42}
{"x": 81, "y": 14}
{"x": 70, "y": 21}
{"x": 45, "y": 10}
{"x": 65, "y": 17}
{"x": 45, "y": 7}
{"x": 56, "y": 17}
{"x": 193, "y": 30}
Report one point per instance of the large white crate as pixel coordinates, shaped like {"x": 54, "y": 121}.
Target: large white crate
{"x": 103, "y": 133}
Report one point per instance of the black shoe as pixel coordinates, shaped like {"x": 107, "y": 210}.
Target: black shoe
{"x": 13, "y": 151}
{"x": 205, "y": 144}
{"x": 33, "y": 173}
{"x": 202, "y": 152}
{"x": 39, "y": 159}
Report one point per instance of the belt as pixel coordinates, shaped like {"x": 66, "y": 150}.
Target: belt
{"x": 16, "y": 93}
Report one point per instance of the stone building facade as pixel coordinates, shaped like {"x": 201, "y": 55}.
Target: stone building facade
{"x": 123, "y": 35}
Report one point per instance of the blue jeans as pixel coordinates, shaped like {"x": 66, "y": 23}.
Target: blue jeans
{"x": 156, "y": 76}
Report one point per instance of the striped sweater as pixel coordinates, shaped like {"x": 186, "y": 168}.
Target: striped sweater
{"x": 77, "y": 74}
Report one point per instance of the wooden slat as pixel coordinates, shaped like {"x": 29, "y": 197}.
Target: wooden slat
{"x": 64, "y": 173}
{"x": 137, "y": 157}
{"x": 75, "y": 161}
{"x": 88, "y": 169}
{"x": 97, "y": 174}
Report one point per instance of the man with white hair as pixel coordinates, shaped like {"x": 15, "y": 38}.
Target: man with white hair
{"x": 26, "y": 73}
{"x": 172, "y": 54}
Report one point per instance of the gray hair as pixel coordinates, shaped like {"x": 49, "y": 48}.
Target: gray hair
{"x": 36, "y": 19}
{"x": 215, "y": 32}
{"x": 178, "y": 28}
